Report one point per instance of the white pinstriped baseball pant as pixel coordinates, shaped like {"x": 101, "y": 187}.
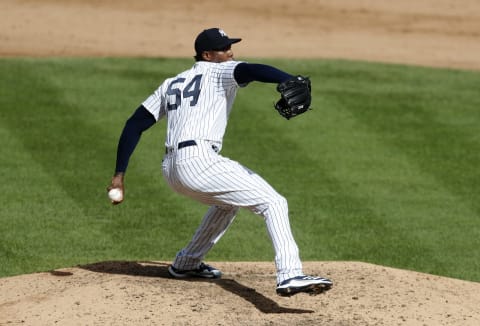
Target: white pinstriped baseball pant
{"x": 202, "y": 174}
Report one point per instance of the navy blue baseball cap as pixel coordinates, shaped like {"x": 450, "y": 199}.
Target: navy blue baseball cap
{"x": 213, "y": 39}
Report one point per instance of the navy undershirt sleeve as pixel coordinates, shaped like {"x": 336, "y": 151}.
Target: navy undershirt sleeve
{"x": 140, "y": 121}
{"x": 245, "y": 73}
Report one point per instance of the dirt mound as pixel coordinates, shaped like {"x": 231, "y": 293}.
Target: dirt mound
{"x": 141, "y": 293}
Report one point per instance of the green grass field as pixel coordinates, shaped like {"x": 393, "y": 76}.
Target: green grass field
{"x": 384, "y": 169}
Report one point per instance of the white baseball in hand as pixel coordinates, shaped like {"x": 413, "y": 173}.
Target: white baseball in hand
{"x": 115, "y": 194}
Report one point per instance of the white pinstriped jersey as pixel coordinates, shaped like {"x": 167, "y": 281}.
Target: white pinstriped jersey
{"x": 197, "y": 102}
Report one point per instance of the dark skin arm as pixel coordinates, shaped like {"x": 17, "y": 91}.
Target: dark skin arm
{"x": 140, "y": 121}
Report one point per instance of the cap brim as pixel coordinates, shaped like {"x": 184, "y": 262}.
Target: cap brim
{"x": 228, "y": 42}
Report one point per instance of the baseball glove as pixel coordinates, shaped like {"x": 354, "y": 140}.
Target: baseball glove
{"x": 295, "y": 97}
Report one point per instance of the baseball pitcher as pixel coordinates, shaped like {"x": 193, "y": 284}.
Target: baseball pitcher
{"x": 196, "y": 104}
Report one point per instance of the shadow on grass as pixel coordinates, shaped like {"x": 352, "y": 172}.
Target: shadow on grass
{"x": 155, "y": 269}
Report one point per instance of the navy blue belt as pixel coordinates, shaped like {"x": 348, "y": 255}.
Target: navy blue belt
{"x": 188, "y": 143}
{"x": 183, "y": 144}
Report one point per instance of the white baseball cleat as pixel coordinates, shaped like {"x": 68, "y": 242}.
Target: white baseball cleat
{"x": 303, "y": 283}
{"x": 203, "y": 271}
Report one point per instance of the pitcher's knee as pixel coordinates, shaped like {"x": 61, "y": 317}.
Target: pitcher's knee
{"x": 280, "y": 201}
{"x": 277, "y": 204}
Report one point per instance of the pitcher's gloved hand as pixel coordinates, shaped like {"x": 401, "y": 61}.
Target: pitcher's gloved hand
{"x": 295, "y": 96}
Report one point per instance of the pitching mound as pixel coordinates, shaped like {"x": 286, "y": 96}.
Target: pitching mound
{"x": 141, "y": 293}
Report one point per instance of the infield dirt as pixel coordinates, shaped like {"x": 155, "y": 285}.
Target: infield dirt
{"x": 437, "y": 33}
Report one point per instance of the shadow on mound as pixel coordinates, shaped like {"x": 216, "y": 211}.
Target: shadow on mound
{"x": 147, "y": 268}
{"x": 156, "y": 269}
